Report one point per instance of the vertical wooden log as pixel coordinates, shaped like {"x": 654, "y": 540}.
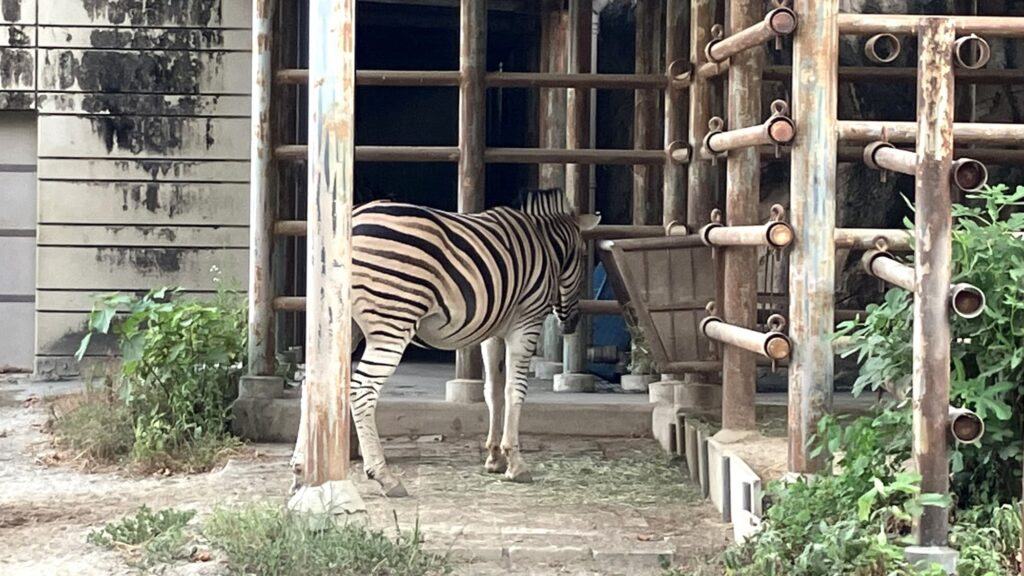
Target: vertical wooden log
{"x": 813, "y": 216}
{"x": 468, "y": 383}
{"x": 261, "y": 195}
{"x": 555, "y": 26}
{"x": 932, "y": 263}
{"x": 674, "y": 201}
{"x": 645, "y": 116}
{"x": 573, "y": 378}
{"x": 743, "y": 180}
{"x": 325, "y": 399}
{"x": 700, "y": 177}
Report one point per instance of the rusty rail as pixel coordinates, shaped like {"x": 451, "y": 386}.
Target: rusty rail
{"x": 603, "y": 232}
{"x": 992, "y": 26}
{"x": 967, "y": 174}
{"x": 778, "y": 22}
{"x": 966, "y": 300}
{"x": 297, "y": 152}
{"x": 778, "y": 130}
{"x": 906, "y": 132}
{"x": 906, "y": 74}
{"x": 773, "y": 344}
{"x": 774, "y": 234}
{"x": 442, "y": 78}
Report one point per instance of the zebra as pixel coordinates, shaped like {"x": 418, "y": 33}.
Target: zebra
{"x": 447, "y": 281}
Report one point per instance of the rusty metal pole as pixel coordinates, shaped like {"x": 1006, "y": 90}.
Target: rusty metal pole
{"x": 813, "y": 217}
{"x": 743, "y": 181}
{"x": 645, "y": 116}
{"x": 573, "y": 377}
{"x": 325, "y": 399}
{"x": 468, "y": 385}
{"x": 555, "y": 26}
{"x": 932, "y": 262}
{"x": 261, "y": 195}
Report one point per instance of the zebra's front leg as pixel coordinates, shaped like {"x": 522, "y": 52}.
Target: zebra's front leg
{"x": 377, "y": 365}
{"x": 520, "y": 346}
{"x": 493, "y": 351}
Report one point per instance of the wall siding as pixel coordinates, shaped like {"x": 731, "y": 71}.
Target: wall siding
{"x": 143, "y": 150}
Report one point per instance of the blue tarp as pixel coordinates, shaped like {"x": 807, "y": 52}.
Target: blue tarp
{"x": 606, "y": 330}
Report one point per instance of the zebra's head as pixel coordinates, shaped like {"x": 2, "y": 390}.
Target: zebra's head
{"x": 563, "y": 229}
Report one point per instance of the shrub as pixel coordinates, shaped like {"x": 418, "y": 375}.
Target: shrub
{"x": 265, "y": 539}
{"x": 181, "y": 360}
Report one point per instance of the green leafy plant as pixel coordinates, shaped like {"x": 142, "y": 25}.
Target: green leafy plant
{"x": 181, "y": 360}
{"x": 147, "y": 537}
{"x": 264, "y": 539}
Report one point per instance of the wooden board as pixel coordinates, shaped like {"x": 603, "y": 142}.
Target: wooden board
{"x": 17, "y": 100}
{"x": 144, "y": 105}
{"x": 17, "y": 69}
{"x": 80, "y": 169}
{"x": 17, "y": 36}
{"x": 118, "y": 268}
{"x": 144, "y": 38}
{"x": 145, "y": 137}
{"x": 177, "y": 236}
{"x": 153, "y": 203}
{"x": 149, "y": 72}
{"x": 135, "y": 13}
{"x": 18, "y": 11}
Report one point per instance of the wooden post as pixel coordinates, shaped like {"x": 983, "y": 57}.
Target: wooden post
{"x": 645, "y": 116}
{"x": 813, "y": 217}
{"x": 743, "y": 180}
{"x": 468, "y": 385}
{"x": 573, "y": 377}
{"x": 325, "y": 400}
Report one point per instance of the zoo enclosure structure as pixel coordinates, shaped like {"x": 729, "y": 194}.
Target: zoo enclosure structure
{"x": 814, "y": 133}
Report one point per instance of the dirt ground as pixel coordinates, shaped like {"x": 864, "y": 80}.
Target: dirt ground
{"x": 597, "y": 506}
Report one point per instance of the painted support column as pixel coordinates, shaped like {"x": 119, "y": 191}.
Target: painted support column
{"x": 554, "y": 45}
{"x": 573, "y": 377}
{"x": 468, "y": 385}
{"x": 932, "y": 262}
{"x": 323, "y": 444}
{"x": 742, "y": 187}
{"x": 813, "y": 217}
{"x": 261, "y": 194}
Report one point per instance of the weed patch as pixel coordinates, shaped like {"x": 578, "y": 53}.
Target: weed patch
{"x": 147, "y": 538}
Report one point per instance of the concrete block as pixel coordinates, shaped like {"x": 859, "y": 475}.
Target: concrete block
{"x": 574, "y": 383}
{"x": 266, "y": 387}
{"x": 745, "y": 497}
{"x": 549, "y": 554}
{"x": 464, "y": 391}
{"x": 697, "y": 397}
{"x": 547, "y": 370}
{"x": 662, "y": 392}
{"x": 691, "y": 450}
{"x": 925, "y": 556}
{"x": 704, "y": 474}
{"x": 637, "y": 382}
{"x": 718, "y": 478}
{"x": 663, "y": 426}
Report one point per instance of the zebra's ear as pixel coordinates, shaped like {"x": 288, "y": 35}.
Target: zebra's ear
{"x": 588, "y": 221}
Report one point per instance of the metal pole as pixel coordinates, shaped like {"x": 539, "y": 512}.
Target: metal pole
{"x": 933, "y": 242}
{"x": 743, "y": 181}
{"x": 646, "y": 111}
{"x": 813, "y": 217}
{"x": 325, "y": 399}
{"x": 468, "y": 385}
{"x": 573, "y": 377}
{"x": 261, "y": 194}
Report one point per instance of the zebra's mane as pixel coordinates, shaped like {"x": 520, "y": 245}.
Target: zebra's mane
{"x": 545, "y": 202}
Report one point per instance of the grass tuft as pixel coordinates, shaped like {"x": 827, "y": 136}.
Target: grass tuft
{"x": 146, "y": 537}
{"x": 264, "y": 539}
{"x": 92, "y": 427}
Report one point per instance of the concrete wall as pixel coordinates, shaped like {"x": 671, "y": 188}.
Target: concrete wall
{"x": 143, "y": 146}
{"x": 17, "y": 238}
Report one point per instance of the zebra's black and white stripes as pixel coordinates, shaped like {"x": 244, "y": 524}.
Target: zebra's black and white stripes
{"x": 442, "y": 280}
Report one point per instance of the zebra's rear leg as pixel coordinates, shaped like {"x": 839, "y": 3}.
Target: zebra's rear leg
{"x": 520, "y": 346}
{"x": 493, "y": 351}
{"x": 378, "y": 363}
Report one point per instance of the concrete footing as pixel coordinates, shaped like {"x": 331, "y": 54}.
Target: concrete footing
{"x": 546, "y": 370}
{"x": 662, "y": 392}
{"x": 698, "y": 397}
{"x": 464, "y": 391}
{"x": 926, "y": 556}
{"x": 574, "y": 383}
{"x": 260, "y": 387}
{"x": 637, "y": 382}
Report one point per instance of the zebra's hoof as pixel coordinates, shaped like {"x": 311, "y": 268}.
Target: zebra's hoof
{"x": 496, "y": 465}
{"x": 521, "y": 477}
{"x": 396, "y": 491}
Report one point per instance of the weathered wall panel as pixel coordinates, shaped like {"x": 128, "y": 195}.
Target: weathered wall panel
{"x": 18, "y": 11}
{"x": 153, "y": 203}
{"x": 143, "y": 154}
{"x": 82, "y": 302}
{"x": 17, "y": 36}
{"x": 144, "y": 137}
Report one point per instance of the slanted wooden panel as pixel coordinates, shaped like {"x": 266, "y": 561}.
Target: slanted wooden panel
{"x": 145, "y": 137}
{"x": 181, "y": 72}
{"x": 144, "y": 38}
{"x": 668, "y": 288}
{"x": 210, "y": 14}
